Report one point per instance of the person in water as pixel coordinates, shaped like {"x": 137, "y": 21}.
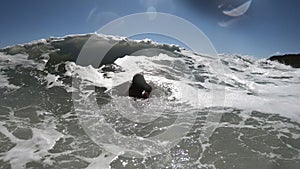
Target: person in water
{"x": 139, "y": 88}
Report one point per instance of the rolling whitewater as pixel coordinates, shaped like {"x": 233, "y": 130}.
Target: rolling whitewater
{"x": 55, "y": 113}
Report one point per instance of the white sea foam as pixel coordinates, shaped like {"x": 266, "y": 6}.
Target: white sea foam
{"x": 4, "y": 83}
{"x": 33, "y": 149}
{"x": 278, "y": 96}
{"x": 9, "y": 62}
{"x": 263, "y": 87}
{"x": 101, "y": 162}
{"x": 89, "y": 74}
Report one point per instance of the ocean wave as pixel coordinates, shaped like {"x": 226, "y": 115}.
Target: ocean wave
{"x": 49, "y": 118}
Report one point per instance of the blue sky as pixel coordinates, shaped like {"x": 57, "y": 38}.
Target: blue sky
{"x": 265, "y": 28}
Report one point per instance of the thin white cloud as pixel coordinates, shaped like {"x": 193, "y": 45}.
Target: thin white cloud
{"x": 238, "y": 11}
{"x": 91, "y": 13}
{"x": 228, "y": 23}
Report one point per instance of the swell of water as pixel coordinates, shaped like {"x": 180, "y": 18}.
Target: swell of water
{"x": 56, "y": 114}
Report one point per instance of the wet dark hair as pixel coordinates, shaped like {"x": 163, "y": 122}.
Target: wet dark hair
{"x": 139, "y": 87}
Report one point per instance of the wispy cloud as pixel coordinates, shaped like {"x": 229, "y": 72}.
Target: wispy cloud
{"x": 239, "y": 10}
{"x": 91, "y": 13}
{"x": 228, "y": 23}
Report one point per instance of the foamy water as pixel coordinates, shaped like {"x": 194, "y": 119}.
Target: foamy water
{"x": 244, "y": 114}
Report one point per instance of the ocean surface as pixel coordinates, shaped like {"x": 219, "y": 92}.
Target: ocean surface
{"x": 204, "y": 112}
